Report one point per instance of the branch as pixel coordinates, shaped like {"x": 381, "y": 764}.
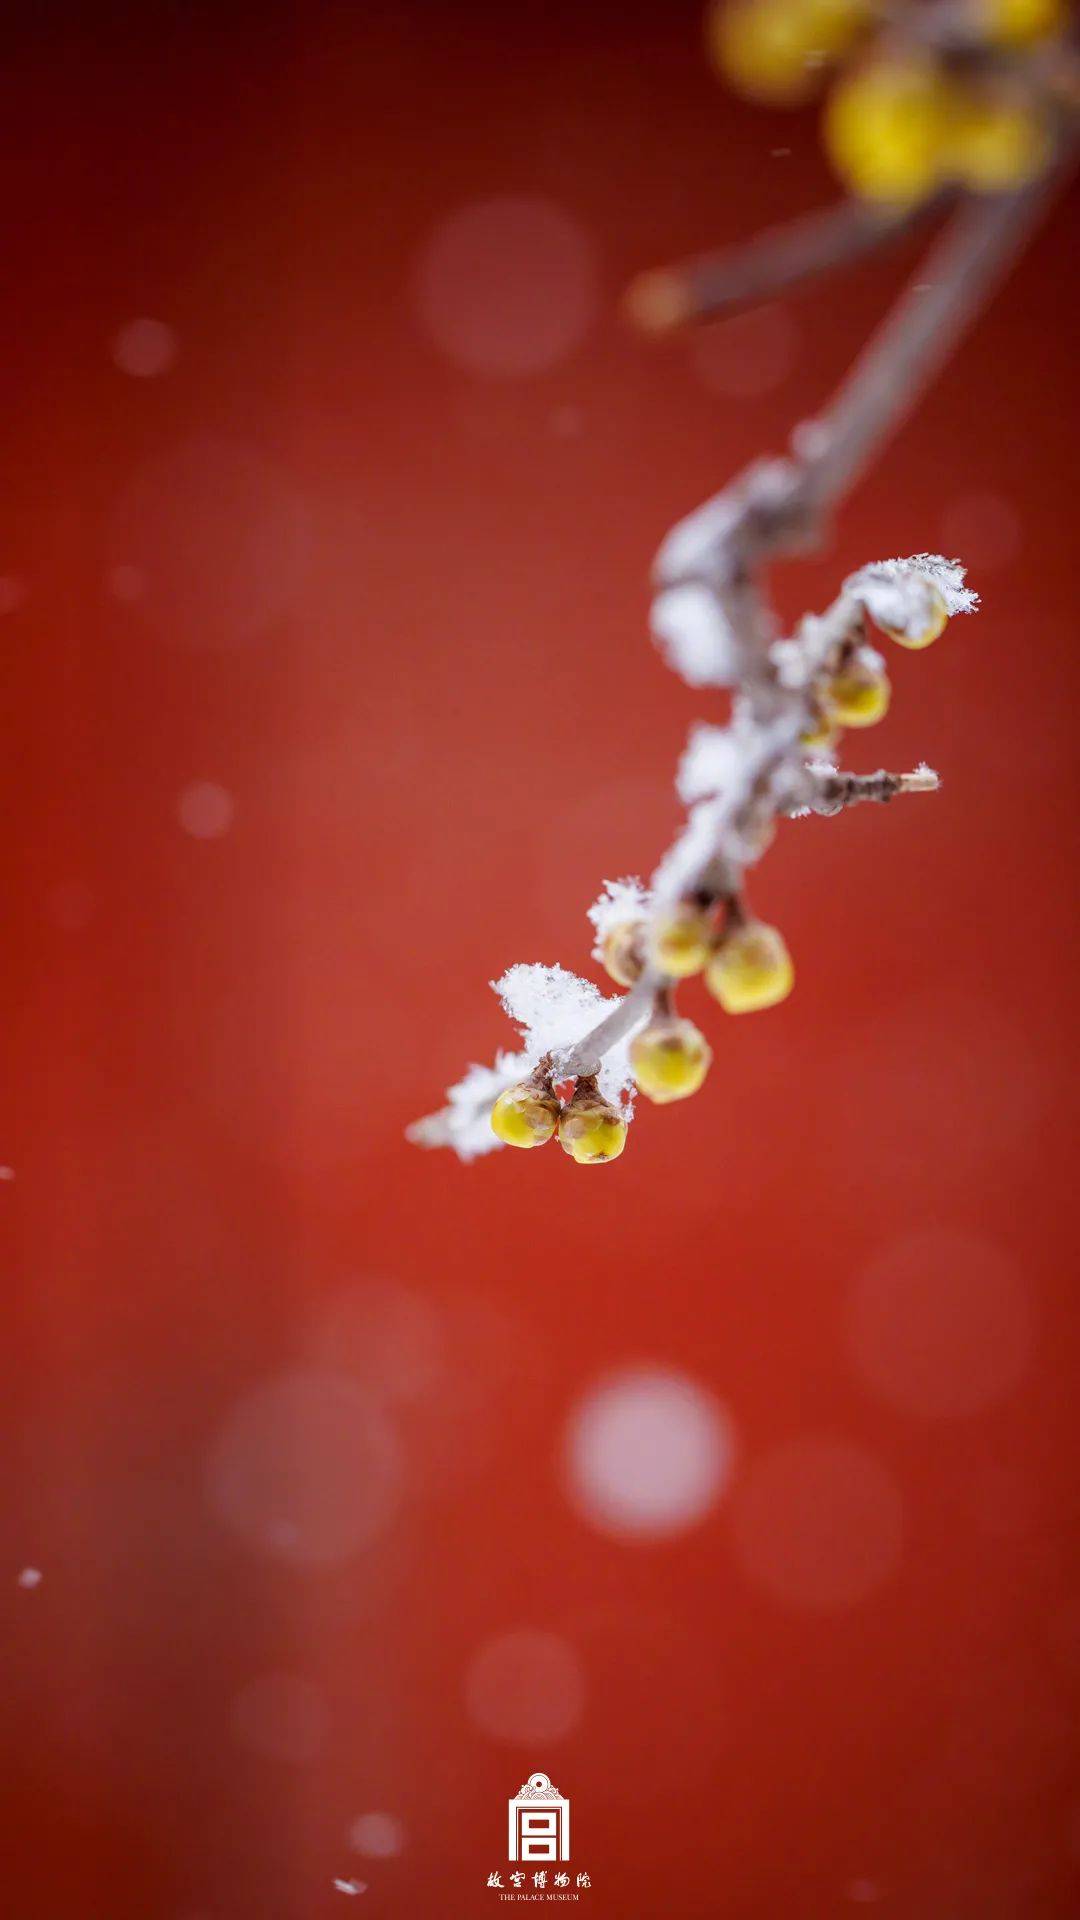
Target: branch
{"x": 821, "y": 242}
{"x": 830, "y": 791}
{"x": 777, "y": 506}
{"x": 635, "y": 1005}
{"x": 943, "y": 299}
{"x": 719, "y": 553}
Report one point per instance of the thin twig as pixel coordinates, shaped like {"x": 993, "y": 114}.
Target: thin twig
{"x": 830, "y": 792}
{"x": 776, "y": 506}
{"x": 713, "y": 284}
{"x": 777, "y": 502}
{"x": 631, "y": 1010}
{"x": 944, "y": 298}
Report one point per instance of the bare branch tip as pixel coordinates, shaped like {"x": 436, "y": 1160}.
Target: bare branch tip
{"x": 922, "y": 780}
{"x": 658, "y": 302}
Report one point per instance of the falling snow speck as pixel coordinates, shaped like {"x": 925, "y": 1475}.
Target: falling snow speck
{"x": 351, "y": 1886}
{"x": 29, "y": 1577}
{"x": 144, "y": 348}
{"x": 205, "y": 810}
{"x": 380, "y": 1835}
{"x": 126, "y": 583}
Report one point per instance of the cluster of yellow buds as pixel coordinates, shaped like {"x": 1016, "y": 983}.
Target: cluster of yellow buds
{"x": 712, "y": 932}
{"x": 590, "y": 1129}
{"x": 856, "y": 692}
{"x": 905, "y": 118}
{"x": 897, "y": 130}
{"x": 746, "y": 966}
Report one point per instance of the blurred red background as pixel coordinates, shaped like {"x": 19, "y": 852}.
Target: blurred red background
{"x": 327, "y": 695}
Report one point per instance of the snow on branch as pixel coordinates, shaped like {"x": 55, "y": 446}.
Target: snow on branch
{"x": 695, "y": 636}
{"x": 582, "y": 1054}
{"x": 737, "y": 781}
{"x": 620, "y": 901}
{"x": 554, "y": 1009}
{"x": 465, "y": 1122}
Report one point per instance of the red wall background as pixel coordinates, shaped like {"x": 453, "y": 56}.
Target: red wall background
{"x": 396, "y": 609}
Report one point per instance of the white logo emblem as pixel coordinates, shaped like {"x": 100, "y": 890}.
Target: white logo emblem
{"x": 539, "y": 1822}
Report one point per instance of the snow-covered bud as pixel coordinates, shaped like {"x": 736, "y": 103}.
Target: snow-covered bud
{"x": 911, "y": 600}
{"x": 591, "y": 1131}
{"x": 932, "y": 622}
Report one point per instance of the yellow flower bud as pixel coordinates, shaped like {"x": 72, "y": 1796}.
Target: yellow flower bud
{"x": 857, "y": 697}
{"x": 939, "y": 620}
{"x": 1014, "y": 23}
{"x": 590, "y": 1130}
{"x": 886, "y": 129}
{"x": 835, "y": 25}
{"x": 998, "y": 141}
{"x": 620, "y": 952}
{"x": 670, "y": 1059}
{"x": 752, "y": 969}
{"x": 658, "y": 300}
{"x": 681, "y": 940}
{"x": 525, "y": 1115}
{"x": 819, "y": 738}
{"x": 764, "y": 48}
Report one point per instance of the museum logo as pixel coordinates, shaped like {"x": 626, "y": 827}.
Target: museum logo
{"x": 538, "y": 1846}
